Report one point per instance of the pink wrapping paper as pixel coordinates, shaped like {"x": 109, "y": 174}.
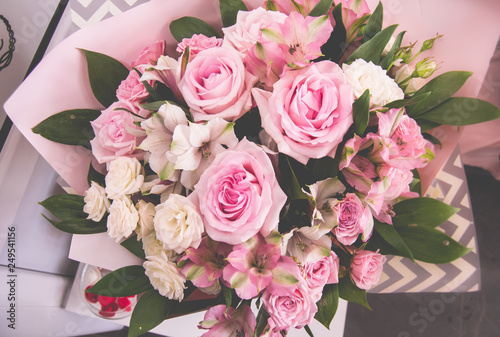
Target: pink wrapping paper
{"x": 60, "y": 81}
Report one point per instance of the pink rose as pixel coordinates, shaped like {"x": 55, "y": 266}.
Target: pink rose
{"x": 309, "y": 111}
{"x": 132, "y": 90}
{"x": 293, "y": 309}
{"x": 216, "y": 84}
{"x": 197, "y": 43}
{"x": 366, "y": 267}
{"x": 324, "y": 271}
{"x": 150, "y": 54}
{"x": 228, "y": 322}
{"x": 238, "y": 195}
{"x": 353, "y": 219}
{"x": 116, "y": 135}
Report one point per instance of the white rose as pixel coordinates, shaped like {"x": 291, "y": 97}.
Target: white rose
{"x": 247, "y": 29}
{"x": 153, "y": 247}
{"x": 364, "y": 75}
{"x": 146, "y": 212}
{"x": 124, "y": 177}
{"x": 165, "y": 277}
{"x": 178, "y": 224}
{"x": 122, "y": 219}
{"x": 96, "y": 202}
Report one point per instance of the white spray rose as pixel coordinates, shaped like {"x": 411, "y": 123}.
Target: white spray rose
{"x": 124, "y": 177}
{"x": 165, "y": 277}
{"x": 178, "y": 224}
{"x": 153, "y": 247}
{"x": 122, "y": 219}
{"x": 96, "y": 202}
{"x": 364, "y": 75}
{"x": 146, "y": 212}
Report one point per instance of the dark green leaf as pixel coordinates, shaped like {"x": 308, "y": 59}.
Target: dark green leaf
{"x": 462, "y": 111}
{"x": 333, "y": 48}
{"x": 271, "y": 6}
{"x": 426, "y": 125}
{"x": 187, "y": 26}
{"x": 288, "y": 180}
{"x": 229, "y": 10}
{"x": 431, "y": 245}
{"x": 79, "y": 226}
{"x": 134, "y": 246}
{"x": 308, "y": 330}
{"x": 228, "y": 296}
{"x": 153, "y": 106}
{"x": 126, "y": 281}
{"x": 416, "y": 185}
{"x": 422, "y": 211}
{"x": 65, "y": 206}
{"x": 401, "y": 103}
{"x": 432, "y": 139}
{"x": 321, "y": 8}
{"x": 327, "y": 305}
{"x": 441, "y": 88}
{"x": 361, "y": 113}
{"x": 350, "y": 292}
{"x": 150, "y": 311}
{"x": 390, "y": 234}
{"x": 388, "y": 60}
{"x": 105, "y": 76}
{"x": 151, "y": 91}
{"x": 261, "y": 324}
{"x": 70, "y": 127}
{"x": 93, "y": 175}
{"x": 323, "y": 168}
{"x": 372, "y": 50}
{"x": 374, "y": 24}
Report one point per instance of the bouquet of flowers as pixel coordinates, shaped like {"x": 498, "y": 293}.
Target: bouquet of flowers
{"x": 276, "y": 162}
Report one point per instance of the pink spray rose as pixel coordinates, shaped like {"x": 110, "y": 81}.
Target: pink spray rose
{"x": 228, "y": 322}
{"x": 293, "y": 309}
{"x": 150, "y": 55}
{"x": 216, "y": 84}
{"x": 132, "y": 90}
{"x": 238, "y": 195}
{"x": 308, "y": 112}
{"x": 197, "y": 43}
{"x": 366, "y": 268}
{"x": 353, "y": 219}
{"x": 318, "y": 274}
{"x": 116, "y": 134}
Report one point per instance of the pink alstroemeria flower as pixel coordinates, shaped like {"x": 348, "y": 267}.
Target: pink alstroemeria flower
{"x": 229, "y": 322}
{"x": 300, "y": 38}
{"x": 203, "y": 265}
{"x": 255, "y": 265}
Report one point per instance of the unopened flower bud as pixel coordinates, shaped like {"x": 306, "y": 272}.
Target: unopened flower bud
{"x": 428, "y": 44}
{"x": 425, "y": 68}
{"x": 403, "y": 54}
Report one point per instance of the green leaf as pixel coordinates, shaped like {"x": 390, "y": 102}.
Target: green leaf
{"x": 308, "y": 330}
{"x": 462, "y": 111}
{"x": 327, "y": 305}
{"x": 431, "y": 245}
{"x": 288, "y": 181}
{"x": 154, "y": 106}
{"x": 372, "y": 50}
{"x": 332, "y": 49}
{"x": 422, "y": 211}
{"x": 105, "y": 76}
{"x": 126, "y": 281}
{"x": 229, "y": 11}
{"x": 416, "y": 185}
{"x": 70, "y": 127}
{"x": 321, "y": 8}
{"x": 271, "y": 6}
{"x": 134, "y": 246}
{"x": 350, "y": 292}
{"x": 228, "y": 296}
{"x": 432, "y": 139}
{"x": 401, "y": 103}
{"x": 65, "y": 206}
{"x": 390, "y": 234}
{"x": 323, "y": 168}
{"x": 79, "y": 226}
{"x": 151, "y": 91}
{"x": 441, "y": 88}
{"x": 388, "y": 60}
{"x": 150, "y": 311}
{"x": 96, "y": 176}
{"x": 187, "y": 26}
{"x": 361, "y": 113}
{"x": 261, "y": 319}
{"x": 374, "y": 24}
{"x": 426, "y": 125}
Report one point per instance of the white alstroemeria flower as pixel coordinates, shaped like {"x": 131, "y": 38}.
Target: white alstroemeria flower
{"x": 194, "y": 147}
{"x": 96, "y": 202}
{"x": 159, "y": 129}
{"x": 125, "y": 176}
{"x": 166, "y": 71}
{"x": 304, "y": 245}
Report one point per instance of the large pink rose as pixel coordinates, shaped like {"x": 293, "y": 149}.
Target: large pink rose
{"x": 294, "y": 309}
{"x": 238, "y": 195}
{"x": 308, "y": 112}
{"x": 353, "y": 219}
{"x": 116, "y": 134}
{"x": 216, "y": 84}
{"x": 366, "y": 267}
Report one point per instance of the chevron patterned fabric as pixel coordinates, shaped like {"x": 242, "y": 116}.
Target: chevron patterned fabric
{"x": 87, "y": 12}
